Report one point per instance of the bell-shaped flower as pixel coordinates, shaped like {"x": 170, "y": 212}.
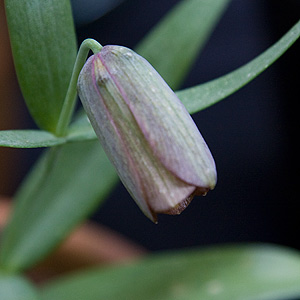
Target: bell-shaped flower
{"x": 147, "y": 133}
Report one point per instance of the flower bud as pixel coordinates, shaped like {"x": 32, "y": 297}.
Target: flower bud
{"x": 147, "y": 133}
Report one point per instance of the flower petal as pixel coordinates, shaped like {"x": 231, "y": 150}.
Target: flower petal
{"x": 153, "y": 187}
{"x": 164, "y": 121}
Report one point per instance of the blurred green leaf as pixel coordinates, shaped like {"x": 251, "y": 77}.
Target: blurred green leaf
{"x": 16, "y": 288}
{"x": 64, "y": 187}
{"x": 44, "y": 48}
{"x": 219, "y": 273}
{"x": 207, "y": 94}
{"x": 173, "y": 45}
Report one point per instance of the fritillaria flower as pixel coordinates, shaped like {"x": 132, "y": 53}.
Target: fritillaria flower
{"x": 147, "y": 133}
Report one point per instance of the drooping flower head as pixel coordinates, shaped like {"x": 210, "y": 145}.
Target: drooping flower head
{"x": 147, "y": 133}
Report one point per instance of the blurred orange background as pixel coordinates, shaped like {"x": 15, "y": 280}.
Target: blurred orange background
{"x": 13, "y": 114}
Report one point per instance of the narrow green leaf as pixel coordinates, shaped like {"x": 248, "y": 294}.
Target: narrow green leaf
{"x": 16, "y": 288}
{"x": 44, "y": 48}
{"x": 63, "y": 188}
{"x": 29, "y": 139}
{"x": 80, "y": 130}
{"x": 221, "y": 273}
{"x": 207, "y": 94}
{"x": 173, "y": 45}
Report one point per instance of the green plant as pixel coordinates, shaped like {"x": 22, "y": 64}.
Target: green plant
{"x": 57, "y": 188}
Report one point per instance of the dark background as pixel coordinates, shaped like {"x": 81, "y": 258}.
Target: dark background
{"x": 252, "y": 134}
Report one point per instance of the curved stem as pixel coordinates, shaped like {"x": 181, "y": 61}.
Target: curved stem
{"x": 70, "y": 99}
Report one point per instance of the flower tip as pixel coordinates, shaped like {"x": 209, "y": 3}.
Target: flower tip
{"x": 180, "y": 207}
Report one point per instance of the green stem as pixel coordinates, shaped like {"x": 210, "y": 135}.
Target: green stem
{"x": 70, "y": 100}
